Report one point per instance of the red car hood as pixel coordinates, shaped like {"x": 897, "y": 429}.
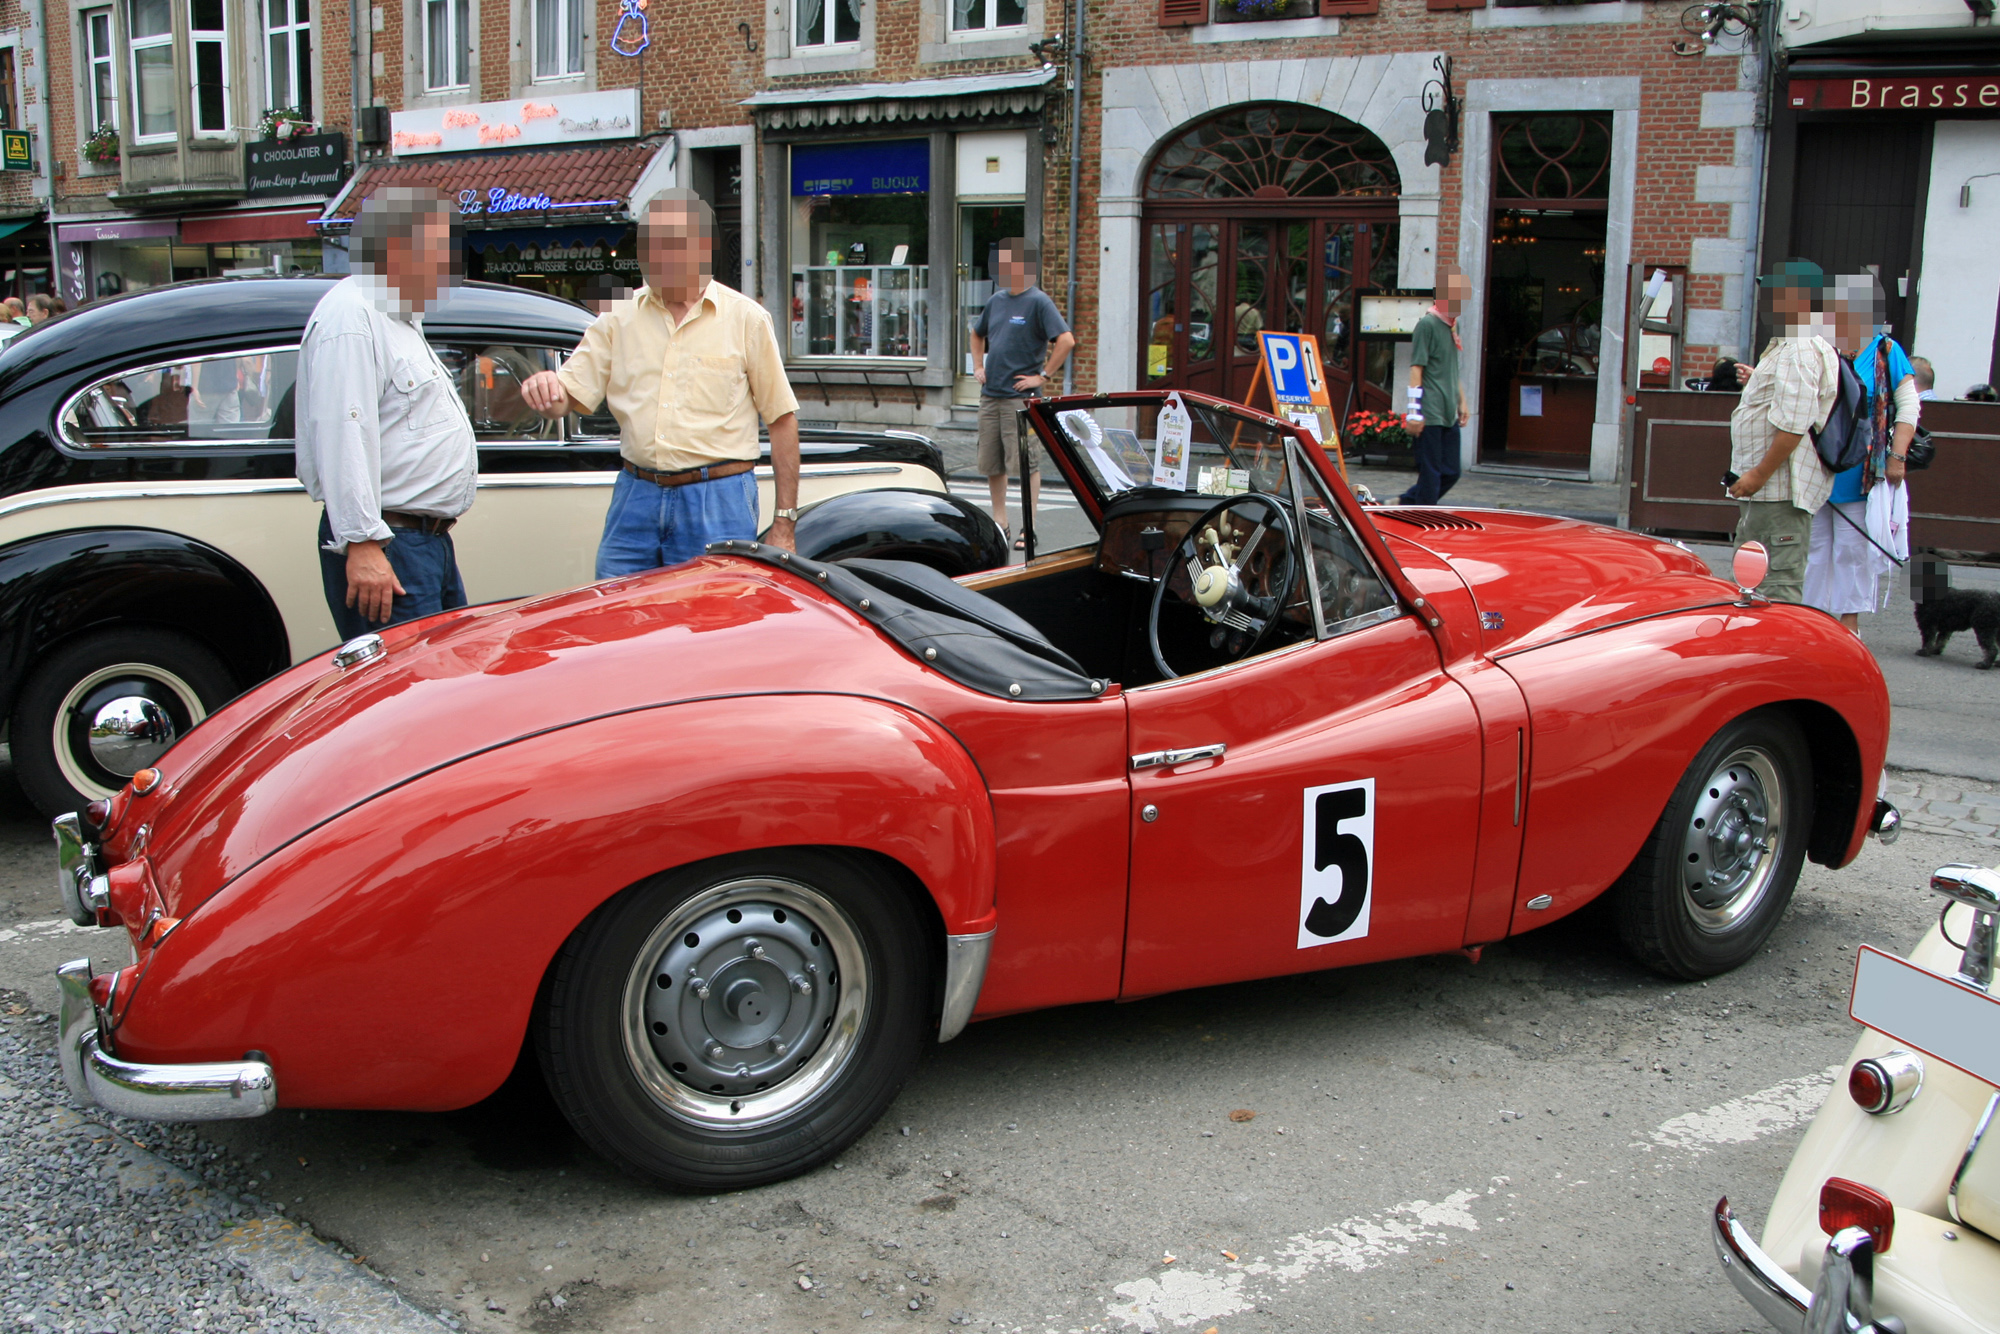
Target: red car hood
{"x": 1537, "y": 579}
{"x": 317, "y": 740}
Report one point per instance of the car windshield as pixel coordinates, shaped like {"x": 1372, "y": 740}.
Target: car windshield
{"x": 1212, "y": 451}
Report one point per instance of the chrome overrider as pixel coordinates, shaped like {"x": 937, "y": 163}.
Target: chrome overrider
{"x": 1842, "y": 1302}
{"x": 964, "y": 973}
{"x": 206, "y": 1091}
{"x": 83, "y": 890}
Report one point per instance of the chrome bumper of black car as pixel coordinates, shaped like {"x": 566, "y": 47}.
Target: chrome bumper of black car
{"x": 205, "y": 1091}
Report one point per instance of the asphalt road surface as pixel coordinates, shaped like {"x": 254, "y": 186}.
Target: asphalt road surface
{"x": 1529, "y": 1142}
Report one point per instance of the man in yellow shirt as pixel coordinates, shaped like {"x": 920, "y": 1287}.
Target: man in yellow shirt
{"x": 687, "y": 367}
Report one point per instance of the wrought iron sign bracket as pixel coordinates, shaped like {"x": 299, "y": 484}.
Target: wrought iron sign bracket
{"x": 1441, "y": 106}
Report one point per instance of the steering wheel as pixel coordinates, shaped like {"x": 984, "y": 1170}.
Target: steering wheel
{"x": 1237, "y": 566}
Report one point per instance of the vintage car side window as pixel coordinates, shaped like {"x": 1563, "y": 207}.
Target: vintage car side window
{"x": 240, "y": 399}
{"x": 1351, "y": 592}
{"x": 595, "y": 428}
{"x": 489, "y": 378}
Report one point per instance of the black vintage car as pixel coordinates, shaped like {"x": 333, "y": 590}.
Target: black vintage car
{"x": 157, "y": 553}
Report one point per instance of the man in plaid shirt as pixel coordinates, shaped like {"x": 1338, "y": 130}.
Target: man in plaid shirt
{"x": 1781, "y": 481}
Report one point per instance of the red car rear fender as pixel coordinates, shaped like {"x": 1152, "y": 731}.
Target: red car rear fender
{"x": 390, "y": 957}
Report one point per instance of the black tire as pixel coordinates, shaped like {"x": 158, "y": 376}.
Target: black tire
{"x": 629, "y": 1061}
{"x": 1708, "y": 888}
{"x": 49, "y": 734}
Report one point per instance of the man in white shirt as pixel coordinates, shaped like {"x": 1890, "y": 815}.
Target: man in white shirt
{"x": 1926, "y": 379}
{"x": 383, "y": 438}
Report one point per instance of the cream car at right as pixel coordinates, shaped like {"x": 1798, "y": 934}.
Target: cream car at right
{"x": 1888, "y": 1218}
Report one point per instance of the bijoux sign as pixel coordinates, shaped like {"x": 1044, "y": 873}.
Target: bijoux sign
{"x": 561, "y": 118}
{"x": 1968, "y": 92}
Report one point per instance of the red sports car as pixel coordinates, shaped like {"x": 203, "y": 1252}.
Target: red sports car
{"x": 727, "y": 842}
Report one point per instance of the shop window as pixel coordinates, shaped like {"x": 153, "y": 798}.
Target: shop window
{"x": 987, "y": 15}
{"x": 860, "y": 247}
{"x": 242, "y": 399}
{"x": 10, "y": 116}
{"x": 288, "y": 55}
{"x": 447, "y": 37}
{"x": 149, "y": 28}
{"x": 558, "y": 38}
{"x": 489, "y": 381}
{"x": 210, "y": 66}
{"x": 102, "y": 78}
{"x": 828, "y": 22}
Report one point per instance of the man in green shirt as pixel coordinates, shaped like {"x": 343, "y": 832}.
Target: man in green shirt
{"x": 1437, "y": 402}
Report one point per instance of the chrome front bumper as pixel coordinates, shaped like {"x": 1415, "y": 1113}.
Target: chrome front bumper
{"x": 208, "y": 1091}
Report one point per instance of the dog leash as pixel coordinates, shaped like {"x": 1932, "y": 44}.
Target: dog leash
{"x": 1841, "y": 514}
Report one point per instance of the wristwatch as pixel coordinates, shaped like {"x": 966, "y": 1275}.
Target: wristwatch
{"x": 791, "y": 514}
{"x": 1900, "y": 458}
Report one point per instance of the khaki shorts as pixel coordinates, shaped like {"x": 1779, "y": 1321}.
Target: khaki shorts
{"x": 1003, "y": 433}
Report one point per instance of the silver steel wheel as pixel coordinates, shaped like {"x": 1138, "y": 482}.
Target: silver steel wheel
{"x": 1729, "y": 854}
{"x": 745, "y": 1002}
{"x": 119, "y": 719}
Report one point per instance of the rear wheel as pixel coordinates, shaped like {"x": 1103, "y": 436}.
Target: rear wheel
{"x": 1718, "y": 870}
{"x": 738, "y": 1022}
{"x": 103, "y": 707}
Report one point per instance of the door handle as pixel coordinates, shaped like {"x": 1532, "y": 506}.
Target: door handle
{"x": 1155, "y": 759}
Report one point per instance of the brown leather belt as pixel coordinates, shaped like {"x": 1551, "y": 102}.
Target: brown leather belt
{"x": 417, "y": 523}
{"x": 683, "y": 476}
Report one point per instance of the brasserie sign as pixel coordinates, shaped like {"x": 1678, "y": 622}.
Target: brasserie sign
{"x": 313, "y": 165}
{"x": 1961, "y": 93}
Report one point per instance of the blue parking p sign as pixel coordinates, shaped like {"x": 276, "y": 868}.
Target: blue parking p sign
{"x": 1292, "y": 361}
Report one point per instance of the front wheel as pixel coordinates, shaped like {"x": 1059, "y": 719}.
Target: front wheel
{"x": 1715, "y": 875}
{"x": 103, "y": 707}
{"x": 739, "y": 1022}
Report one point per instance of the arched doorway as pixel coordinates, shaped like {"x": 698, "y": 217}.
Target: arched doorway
{"x": 1268, "y": 215}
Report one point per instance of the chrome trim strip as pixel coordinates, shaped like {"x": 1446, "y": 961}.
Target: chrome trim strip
{"x": 964, "y": 974}
{"x": 1781, "y": 1299}
{"x": 198, "y": 1091}
{"x": 1154, "y": 759}
{"x": 1965, "y": 1164}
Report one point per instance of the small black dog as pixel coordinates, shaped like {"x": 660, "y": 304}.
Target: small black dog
{"x": 1946, "y": 611}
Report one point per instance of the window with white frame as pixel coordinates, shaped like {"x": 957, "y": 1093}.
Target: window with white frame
{"x": 447, "y": 44}
{"x": 149, "y": 33}
{"x": 208, "y": 65}
{"x": 987, "y": 15}
{"x": 288, "y": 55}
{"x": 559, "y": 38}
{"x": 827, "y": 22}
{"x": 100, "y": 74}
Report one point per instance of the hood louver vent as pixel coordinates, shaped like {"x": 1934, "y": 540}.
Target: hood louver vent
{"x": 1423, "y": 518}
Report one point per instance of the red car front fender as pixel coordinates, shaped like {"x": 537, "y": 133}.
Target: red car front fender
{"x": 389, "y": 958}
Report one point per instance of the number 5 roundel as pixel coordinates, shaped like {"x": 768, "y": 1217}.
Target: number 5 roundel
{"x": 1337, "y": 870}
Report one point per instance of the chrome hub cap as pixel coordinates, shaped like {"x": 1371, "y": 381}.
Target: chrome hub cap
{"x": 745, "y": 1002}
{"x": 1729, "y": 854}
{"x": 119, "y": 720}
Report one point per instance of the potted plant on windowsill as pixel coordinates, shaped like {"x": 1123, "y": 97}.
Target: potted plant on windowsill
{"x": 101, "y": 148}
{"x": 1261, "y": 11}
{"x": 285, "y": 123}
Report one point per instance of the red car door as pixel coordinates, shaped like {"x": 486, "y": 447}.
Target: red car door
{"x": 1339, "y": 821}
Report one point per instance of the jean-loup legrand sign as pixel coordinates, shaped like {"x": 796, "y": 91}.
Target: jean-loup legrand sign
{"x": 560, "y": 118}
{"x": 313, "y": 165}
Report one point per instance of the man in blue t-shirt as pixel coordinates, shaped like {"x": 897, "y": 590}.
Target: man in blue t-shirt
{"x": 1012, "y": 358}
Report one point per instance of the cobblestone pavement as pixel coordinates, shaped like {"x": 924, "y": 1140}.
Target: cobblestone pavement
{"x": 1962, "y": 806}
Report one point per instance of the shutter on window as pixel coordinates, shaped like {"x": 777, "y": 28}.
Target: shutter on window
{"x": 1350, "y": 8}
{"x": 1183, "y": 13}
{"x": 1456, "y": 4}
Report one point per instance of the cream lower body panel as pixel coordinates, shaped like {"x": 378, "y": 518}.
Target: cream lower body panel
{"x": 526, "y": 534}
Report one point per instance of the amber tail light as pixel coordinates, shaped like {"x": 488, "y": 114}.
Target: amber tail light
{"x": 1844, "y": 1204}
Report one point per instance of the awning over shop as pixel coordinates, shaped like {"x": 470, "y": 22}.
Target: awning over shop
{"x": 13, "y": 225}
{"x": 969, "y": 97}
{"x": 494, "y": 189}
{"x": 286, "y": 224}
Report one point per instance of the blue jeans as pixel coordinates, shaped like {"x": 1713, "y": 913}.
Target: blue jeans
{"x": 426, "y": 565}
{"x": 1437, "y": 465}
{"x": 649, "y": 525}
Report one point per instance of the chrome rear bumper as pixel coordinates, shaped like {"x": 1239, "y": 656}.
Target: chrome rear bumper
{"x": 207, "y": 1091}
{"x": 1781, "y": 1299}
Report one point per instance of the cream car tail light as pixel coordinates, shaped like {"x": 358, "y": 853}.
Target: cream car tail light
{"x": 1844, "y": 1204}
{"x": 1884, "y": 1084}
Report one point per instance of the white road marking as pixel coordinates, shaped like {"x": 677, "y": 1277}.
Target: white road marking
{"x": 56, "y": 926}
{"x": 1044, "y": 500}
{"x": 1184, "y": 1296}
{"x": 1750, "y": 1117}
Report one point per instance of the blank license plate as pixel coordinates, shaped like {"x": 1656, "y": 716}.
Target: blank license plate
{"x": 1935, "y": 1015}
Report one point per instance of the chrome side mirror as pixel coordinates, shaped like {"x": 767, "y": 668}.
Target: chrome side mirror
{"x": 1978, "y": 888}
{"x": 1748, "y": 567}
